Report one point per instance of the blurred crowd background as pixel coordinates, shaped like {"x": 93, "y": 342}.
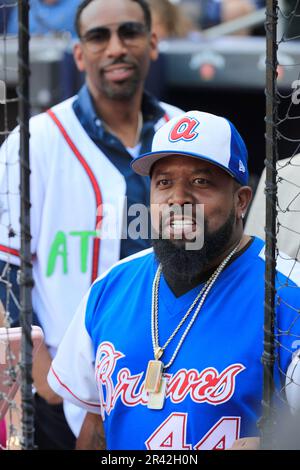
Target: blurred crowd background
{"x": 172, "y": 18}
{"x": 183, "y": 23}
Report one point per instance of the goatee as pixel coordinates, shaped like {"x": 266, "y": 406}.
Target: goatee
{"x": 123, "y": 90}
{"x": 179, "y": 263}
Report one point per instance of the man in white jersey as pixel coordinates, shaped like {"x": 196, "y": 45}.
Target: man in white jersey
{"x": 80, "y": 154}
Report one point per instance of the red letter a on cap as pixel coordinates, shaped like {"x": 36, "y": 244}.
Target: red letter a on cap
{"x": 184, "y": 130}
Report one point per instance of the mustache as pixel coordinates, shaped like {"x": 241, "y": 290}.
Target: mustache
{"x": 190, "y": 211}
{"x": 118, "y": 61}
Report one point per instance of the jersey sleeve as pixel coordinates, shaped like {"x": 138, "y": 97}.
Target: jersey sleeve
{"x": 72, "y": 373}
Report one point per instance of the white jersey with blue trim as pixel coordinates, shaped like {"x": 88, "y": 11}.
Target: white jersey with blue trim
{"x": 214, "y": 388}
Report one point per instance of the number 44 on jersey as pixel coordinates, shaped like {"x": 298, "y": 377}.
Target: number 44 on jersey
{"x": 171, "y": 434}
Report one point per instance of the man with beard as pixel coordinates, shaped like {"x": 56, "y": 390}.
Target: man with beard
{"x": 166, "y": 346}
{"x": 80, "y": 152}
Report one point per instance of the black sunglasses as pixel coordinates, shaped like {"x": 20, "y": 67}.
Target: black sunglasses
{"x": 128, "y": 31}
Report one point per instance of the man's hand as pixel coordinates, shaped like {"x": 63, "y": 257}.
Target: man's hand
{"x": 91, "y": 436}
{"x": 41, "y": 365}
{"x": 247, "y": 443}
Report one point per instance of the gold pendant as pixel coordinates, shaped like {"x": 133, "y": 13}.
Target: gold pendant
{"x": 156, "y": 401}
{"x": 153, "y": 376}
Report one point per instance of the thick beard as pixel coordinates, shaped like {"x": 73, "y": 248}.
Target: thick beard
{"x": 179, "y": 263}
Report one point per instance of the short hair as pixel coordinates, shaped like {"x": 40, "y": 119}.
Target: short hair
{"x": 143, "y": 3}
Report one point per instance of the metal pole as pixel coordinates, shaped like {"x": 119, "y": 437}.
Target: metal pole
{"x": 26, "y": 281}
{"x": 268, "y": 357}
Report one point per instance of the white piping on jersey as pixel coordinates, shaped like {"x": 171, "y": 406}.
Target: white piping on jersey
{"x": 63, "y": 386}
{"x": 286, "y": 266}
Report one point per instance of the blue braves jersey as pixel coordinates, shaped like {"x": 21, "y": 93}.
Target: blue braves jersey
{"x": 214, "y": 386}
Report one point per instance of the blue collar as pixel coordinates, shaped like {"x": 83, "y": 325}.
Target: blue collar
{"x": 86, "y": 113}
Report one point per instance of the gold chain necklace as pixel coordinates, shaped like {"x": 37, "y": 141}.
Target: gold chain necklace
{"x": 155, "y": 383}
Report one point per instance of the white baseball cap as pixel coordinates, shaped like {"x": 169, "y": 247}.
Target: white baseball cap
{"x": 199, "y": 135}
